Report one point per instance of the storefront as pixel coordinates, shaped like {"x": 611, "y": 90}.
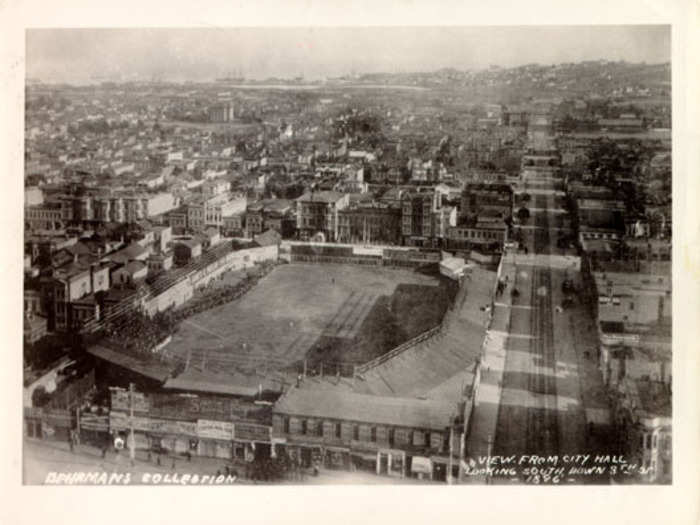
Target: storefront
{"x": 441, "y": 468}
{"x": 253, "y": 439}
{"x": 143, "y": 442}
{"x": 33, "y": 427}
{"x": 391, "y": 463}
{"x": 305, "y": 456}
{"x": 421, "y": 468}
{"x": 177, "y": 437}
{"x": 336, "y": 458}
{"x": 363, "y": 461}
{"x": 215, "y": 448}
{"x": 53, "y": 424}
{"x": 215, "y": 438}
{"x": 94, "y": 429}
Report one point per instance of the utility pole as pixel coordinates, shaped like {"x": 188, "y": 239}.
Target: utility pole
{"x": 449, "y": 466}
{"x": 132, "y": 444}
{"x": 488, "y": 454}
{"x": 77, "y": 425}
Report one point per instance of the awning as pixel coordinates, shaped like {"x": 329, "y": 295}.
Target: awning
{"x": 421, "y": 464}
{"x": 337, "y": 449}
{"x": 365, "y": 455}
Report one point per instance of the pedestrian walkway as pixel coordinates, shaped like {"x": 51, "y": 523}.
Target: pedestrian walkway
{"x": 43, "y": 457}
{"x": 482, "y": 432}
{"x": 56, "y": 456}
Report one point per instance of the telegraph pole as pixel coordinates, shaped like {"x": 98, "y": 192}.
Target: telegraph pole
{"x": 488, "y": 453}
{"x": 132, "y": 444}
{"x": 449, "y": 466}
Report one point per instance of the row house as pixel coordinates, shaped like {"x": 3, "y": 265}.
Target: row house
{"x": 417, "y": 224}
{"x": 370, "y": 223}
{"x": 317, "y": 214}
{"x": 634, "y": 326}
{"x": 68, "y": 285}
{"x": 160, "y": 262}
{"x": 110, "y": 207}
{"x": 633, "y": 298}
{"x": 393, "y": 436}
{"x": 642, "y": 418}
{"x": 234, "y": 225}
{"x": 482, "y": 235}
{"x": 223, "y": 205}
{"x": 480, "y": 198}
{"x": 43, "y": 217}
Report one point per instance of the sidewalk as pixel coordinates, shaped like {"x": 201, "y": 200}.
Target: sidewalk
{"x": 482, "y": 432}
{"x": 41, "y": 457}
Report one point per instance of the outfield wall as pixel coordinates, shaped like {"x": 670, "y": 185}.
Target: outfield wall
{"x": 335, "y": 253}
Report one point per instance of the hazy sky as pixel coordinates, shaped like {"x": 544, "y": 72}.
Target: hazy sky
{"x": 76, "y": 55}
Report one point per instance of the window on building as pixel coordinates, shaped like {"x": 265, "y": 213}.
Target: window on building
{"x": 356, "y": 432}
{"x": 373, "y": 434}
{"x": 303, "y": 426}
{"x": 631, "y": 305}
{"x": 647, "y": 441}
{"x": 391, "y": 437}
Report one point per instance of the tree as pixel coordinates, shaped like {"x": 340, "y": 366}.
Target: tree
{"x": 523, "y": 214}
{"x": 40, "y": 396}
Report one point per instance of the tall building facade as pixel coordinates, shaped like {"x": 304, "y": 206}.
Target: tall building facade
{"x": 222, "y": 112}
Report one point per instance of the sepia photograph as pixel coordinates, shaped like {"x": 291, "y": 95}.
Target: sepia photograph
{"x": 389, "y": 261}
{"x": 348, "y": 256}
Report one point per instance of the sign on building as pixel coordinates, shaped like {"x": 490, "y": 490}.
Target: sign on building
{"x": 207, "y": 428}
{"x": 251, "y": 432}
{"x": 120, "y": 400}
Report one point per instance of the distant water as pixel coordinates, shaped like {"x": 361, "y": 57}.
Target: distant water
{"x": 293, "y": 87}
{"x": 273, "y": 86}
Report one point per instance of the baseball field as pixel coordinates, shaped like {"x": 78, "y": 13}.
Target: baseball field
{"x": 329, "y": 313}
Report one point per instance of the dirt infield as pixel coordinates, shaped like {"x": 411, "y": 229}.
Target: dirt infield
{"x": 314, "y": 311}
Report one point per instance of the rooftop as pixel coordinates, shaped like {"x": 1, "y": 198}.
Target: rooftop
{"x": 329, "y": 197}
{"x": 600, "y": 204}
{"x": 268, "y": 238}
{"x": 151, "y": 370}
{"x": 349, "y": 406}
{"x": 652, "y": 398}
{"x": 631, "y": 282}
{"x": 194, "y": 380}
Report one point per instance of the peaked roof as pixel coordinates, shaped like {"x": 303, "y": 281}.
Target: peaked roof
{"x": 268, "y": 238}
